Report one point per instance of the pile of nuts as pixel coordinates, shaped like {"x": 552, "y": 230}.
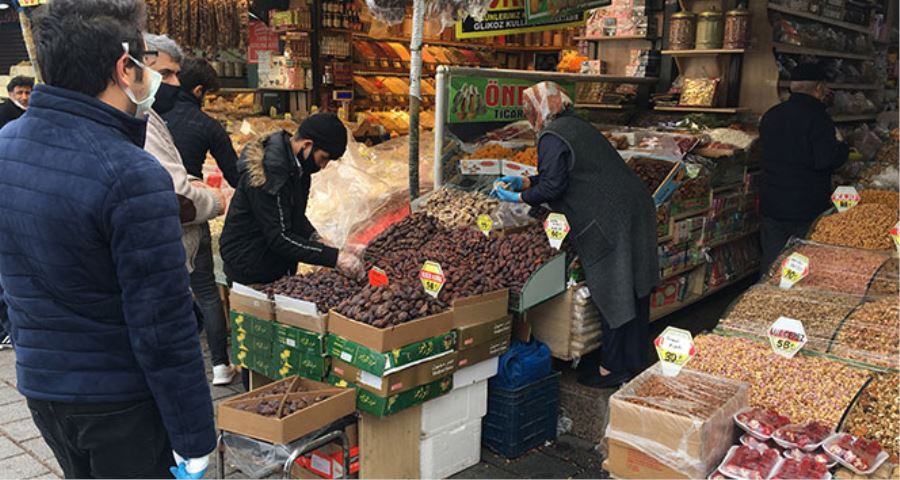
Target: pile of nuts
{"x": 493, "y": 151}
{"x": 803, "y": 388}
{"x": 876, "y": 414}
{"x": 821, "y": 313}
{"x": 887, "y": 280}
{"x": 832, "y": 268}
{"x": 651, "y": 171}
{"x": 326, "y": 288}
{"x": 872, "y": 334}
{"x": 459, "y": 209}
{"x": 888, "y": 198}
{"x": 689, "y": 394}
{"x": 393, "y": 304}
{"x": 863, "y": 226}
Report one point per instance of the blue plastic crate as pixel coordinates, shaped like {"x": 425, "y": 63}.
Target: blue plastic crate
{"x": 521, "y": 419}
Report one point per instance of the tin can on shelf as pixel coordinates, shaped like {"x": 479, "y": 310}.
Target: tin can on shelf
{"x": 737, "y": 29}
{"x": 709, "y": 30}
{"x": 681, "y": 31}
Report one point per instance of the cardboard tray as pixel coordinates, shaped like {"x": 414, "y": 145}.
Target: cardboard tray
{"x": 480, "y": 308}
{"x": 297, "y": 384}
{"x": 399, "y": 380}
{"x": 477, "y": 334}
{"x": 387, "y": 339}
{"x": 246, "y": 300}
{"x": 548, "y": 281}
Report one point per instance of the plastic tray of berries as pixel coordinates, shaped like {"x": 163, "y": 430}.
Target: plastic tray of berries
{"x": 806, "y": 436}
{"x": 760, "y": 422}
{"x": 743, "y": 462}
{"x": 807, "y": 468}
{"x": 860, "y": 455}
{"x": 819, "y": 456}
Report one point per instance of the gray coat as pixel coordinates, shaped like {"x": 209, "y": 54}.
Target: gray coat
{"x": 612, "y": 220}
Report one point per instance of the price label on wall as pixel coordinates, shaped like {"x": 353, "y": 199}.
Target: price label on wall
{"x": 793, "y": 269}
{"x": 432, "y": 277}
{"x": 485, "y": 224}
{"x": 557, "y": 227}
{"x": 675, "y": 348}
{"x": 844, "y": 198}
{"x": 787, "y": 336}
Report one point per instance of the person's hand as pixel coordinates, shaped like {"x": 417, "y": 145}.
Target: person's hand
{"x": 189, "y": 467}
{"x": 220, "y": 196}
{"x": 514, "y": 183}
{"x": 349, "y": 264}
{"x": 506, "y": 196}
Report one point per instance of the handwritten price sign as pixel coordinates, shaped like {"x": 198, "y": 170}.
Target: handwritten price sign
{"x": 787, "y": 336}
{"x": 793, "y": 269}
{"x": 485, "y": 224}
{"x": 432, "y": 277}
{"x": 845, "y": 198}
{"x": 556, "y": 227}
{"x": 675, "y": 348}
{"x": 895, "y": 234}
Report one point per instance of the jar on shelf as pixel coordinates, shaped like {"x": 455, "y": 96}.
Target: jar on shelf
{"x": 681, "y": 31}
{"x": 709, "y": 30}
{"x": 737, "y": 29}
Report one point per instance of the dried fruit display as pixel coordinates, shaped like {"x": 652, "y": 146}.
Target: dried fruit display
{"x": 876, "y": 414}
{"x": 459, "y": 209}
{"x": 761, "y": 422}
{"x": 294, "y": 405}
{"x": 806, "y": 436}
{"x": 651, "y": 171}
{"x": 266, "y": 408}
{"x": 689, "y": 394}
{"x": 863, "y": 226}
{"x": 887, "y": 279}
{"x": 857, "y": 452}
{"x": 802, "y": 388}
{"x": 326, "y": 288}
{"x": 493, "y": 151}
{"x": 408, "y": 234}
{"x": 515, "y": 257}
{"x": 888, "y": 198}
{"x": 871, "y": 334}
{"x": 528, "y": 156}
{"x": 820, "y": 312}
{"x": 807, "y": 468}
{"x": 833, "y": 268}
{"x": 750, "y": 463}
{"x": 390, "y": 305}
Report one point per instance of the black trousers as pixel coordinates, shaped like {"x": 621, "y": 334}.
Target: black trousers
{"x": 626, "y": 349}
{"x": 105, "y": 440}
{"x": 774, "y": 235}
{"x": 206, "y": 292}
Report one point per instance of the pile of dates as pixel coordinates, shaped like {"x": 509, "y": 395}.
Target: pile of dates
{"x": 515, "y": 257}
{"x": 393, "y": 304}
{"x": 295, "y": 405}
{"x": 651, "y": 171}
{"x": 408, "y": 234}
{"x": 266, "y": 408}
{"x": 326, "y": 288}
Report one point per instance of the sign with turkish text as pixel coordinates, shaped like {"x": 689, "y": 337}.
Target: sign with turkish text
{"x": 793, "y": 269}
{"x": 261, "y": 39}
{"x": 556, "y": 226}
{"x": 675, "y": 348}
{"x": 432, "y": 277}
{"x": 844, "y": 198}
{"x": 485, "y": 99}
{"x": 377, "y": 277}
{"x": 510, "y": 17}
{"x": 540, "y": 9}
{"x": 787, "y": 336}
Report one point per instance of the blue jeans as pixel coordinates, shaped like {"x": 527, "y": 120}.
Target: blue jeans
{"x": 206, "y": 293}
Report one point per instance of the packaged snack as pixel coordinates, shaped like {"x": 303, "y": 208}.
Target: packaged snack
{"x": 819, "y": 456}
{"x": 699, "y": 92}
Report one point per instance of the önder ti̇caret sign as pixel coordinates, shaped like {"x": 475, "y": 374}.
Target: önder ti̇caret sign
{"x": 510, "y": 17}
{"x": 482, "y": 99}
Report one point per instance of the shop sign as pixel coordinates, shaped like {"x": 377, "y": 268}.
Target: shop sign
{"x": 793, "y": 269}
{"x": 787, "y": 336}
{"x": 432, "y": 277}
{"x": 557, "y": 227}
{"x": 844, "y": 198}
{"x": 261, "y": 39}
{"x": 31, "y": 3}
{"x": 485, "y": 224}
{"x": 675, "y": 348}
{"x": 485, "y": 99}
{"x": 540, "y": 9}
{"x": 509, "y": 17}
{"x": 377, "y": 277}
{"x": 895, "y": 234}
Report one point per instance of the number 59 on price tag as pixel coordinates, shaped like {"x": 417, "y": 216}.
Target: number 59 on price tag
{"x": 675, "y": 348}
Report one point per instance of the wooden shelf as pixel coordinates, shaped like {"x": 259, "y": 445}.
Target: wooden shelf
{"x": 732, "y": 239}
{"x": 703, "y": 53}
{"x": 603, "y": 106}
{"x": 622, "y": 38}
{"x": 405, "y": 41}
{"x": 284, "y": 89}
{"x": 387, "y": 74}
{"x": 854, "y": 118}
{"x": 819, "y": 18}
{"x": 794, "y": 49}
{"x": 838, "y": 86}
{"x": 527, "y": 49}
{"x": 656, "y": 314}
{"x": 701, "y": 109}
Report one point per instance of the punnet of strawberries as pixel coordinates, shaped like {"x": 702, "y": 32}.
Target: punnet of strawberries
{"x": 802, "y": 435}
{"x": 762, "y": 421}
{"x": 751, "y": 463}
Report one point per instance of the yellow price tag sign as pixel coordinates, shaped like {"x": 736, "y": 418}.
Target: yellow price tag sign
{"x": 787, "y": 336}
{"x": 485, "y": 224}
{"x": 675, "y": 347}
{"x": 432, "y": 277}
{"x": 844, "y": 198}
{"x": 793, "y": 269}
{"x": 556, "y": 227}
{"x": 895, "y": 234}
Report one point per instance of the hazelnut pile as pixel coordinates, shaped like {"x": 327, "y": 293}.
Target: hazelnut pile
{"x": 888, "y": 198}
{"x": 863, "y": 226}
{"x": 325, "y": 287}
{"x": 872, "y": 334}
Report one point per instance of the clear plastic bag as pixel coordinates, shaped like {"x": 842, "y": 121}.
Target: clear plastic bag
{"x": 258, "y": 459}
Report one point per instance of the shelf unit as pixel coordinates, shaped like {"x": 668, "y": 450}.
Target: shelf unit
{"x": 622, "y": 38}
{"x": 603, "y": 106}
{"x": 656, "y": 314}
{"x": 866, "y": 117}
{"x": 796, "y": 50}
{"x": 839, "y": 86}
{"x": 818, "y": 18}
{"x": 439, "y": 43}
{"x": 726, "y": 110}
{"x": 703, "y": 53}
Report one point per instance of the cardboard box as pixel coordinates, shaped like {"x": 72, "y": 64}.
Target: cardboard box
{"x": 399, "y": 380}
{"x": 377, "y": 363}
{"x": 250, "y": 302}
{"x": 371, "y": 403}
{"x": 480, "y": 308}
{"x": 626, "y": 462}
{"x": 300, "y": 314}
{"x": 299, "y": 339}
{"x": 296, "y": 384}
{"x": 473, "y": 335}
{"x": 476, "y": 373}
{"x": 462, "y": 405}
{"x": 261, "y": 347}
{"x": 328, "y": 461}
{"x": 240, "y": 356}
{"x": 493, "y": 348}
{"x": 340, "y": 403}
{"x": 289, "y": 362}
{"x": 387, "y": 339}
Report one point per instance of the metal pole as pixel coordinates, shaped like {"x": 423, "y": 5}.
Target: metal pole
{"x": 415, "y": 97}
{"x": 440, "y": 119}
{"x": 25, "y": 23}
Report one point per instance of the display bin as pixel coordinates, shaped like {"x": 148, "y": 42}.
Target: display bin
{"x": 521, "y": 419}
{"x": 545, "y": 283}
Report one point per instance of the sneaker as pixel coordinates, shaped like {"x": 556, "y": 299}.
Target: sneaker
{"x": 223, "y": 374}
{"x": 6, "y": 343}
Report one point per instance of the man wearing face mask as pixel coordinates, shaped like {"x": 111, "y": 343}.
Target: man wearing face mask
{"x": 801, "y": 148}
{"x": 93, "y": 285}
{"x": 19, "y": 90}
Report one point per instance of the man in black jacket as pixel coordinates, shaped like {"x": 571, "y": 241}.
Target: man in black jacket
{"x": 19, "y": 89}
{"x": 800, "y": 150}
{"x": 266, "y": 230}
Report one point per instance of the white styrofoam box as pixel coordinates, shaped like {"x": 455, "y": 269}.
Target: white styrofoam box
{"x": 476, "y": 373}
{"x": 450, "y": 451}
{"x": 460, "y": 406}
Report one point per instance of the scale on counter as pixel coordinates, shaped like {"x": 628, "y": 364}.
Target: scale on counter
{"x": 345, "y": 97}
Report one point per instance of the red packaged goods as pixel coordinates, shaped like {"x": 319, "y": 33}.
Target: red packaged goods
{"x": 753, "y": 442}
{"x": 806, "y": 468}
{"x": 858, "y": 454}
{"x": 820, "y": 456}
{"x": 750, "y": 463}
{"x": 807, "y": 436}
{"x": 761, "y": 422}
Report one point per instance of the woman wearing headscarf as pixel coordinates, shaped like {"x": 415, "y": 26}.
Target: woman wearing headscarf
{"x": 612, "y": 223}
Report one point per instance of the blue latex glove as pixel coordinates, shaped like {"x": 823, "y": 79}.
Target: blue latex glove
{"x": 506, "y": 196}
{"x": 189, "y": 468}
{"x": 514, "y": 182}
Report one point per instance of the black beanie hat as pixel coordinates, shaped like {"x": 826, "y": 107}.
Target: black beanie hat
{"x": 327, "y": 132}
{"x": 808, "y": 72}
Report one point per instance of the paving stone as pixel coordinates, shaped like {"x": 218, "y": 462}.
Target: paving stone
{"x": 219, "y": 393}
{"x": 21, "y": 466}
{"x": 14, "y": 411}
{"x": 540, "y": 465}
{"x": 577, "y": 451}
{"x": 38, "y": 447}
{"x": 484, "y": 470}
{"x": 8, "y": 448}
{"x": 21, "y": 430}
{"x": 9, "y": 394}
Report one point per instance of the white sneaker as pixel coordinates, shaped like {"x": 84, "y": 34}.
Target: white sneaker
{"x": 6, "y": 343}
{"x": 223, "y": 374}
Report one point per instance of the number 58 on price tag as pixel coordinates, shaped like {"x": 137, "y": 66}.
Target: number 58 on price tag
{"x": 432, "y": 277}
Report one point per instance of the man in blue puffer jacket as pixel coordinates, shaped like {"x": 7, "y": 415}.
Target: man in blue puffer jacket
{"x": 93, "y": 285}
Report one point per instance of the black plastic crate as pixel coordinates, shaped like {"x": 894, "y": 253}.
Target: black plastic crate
{"x": 521, "y": 419}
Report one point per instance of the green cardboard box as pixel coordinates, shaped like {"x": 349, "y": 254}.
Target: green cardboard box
{"x": 383, "y": 406}
{"x": 262, "y": 364}
{"x": 240, "y": 356}
{"x": 239, "y": 322}
{"x": 377, "y": 363}
{"x": 300, "y": 339}
{"x": 253, "y": 325}
{"x": 260, "y": 346}
{"x": 289, "y": 362}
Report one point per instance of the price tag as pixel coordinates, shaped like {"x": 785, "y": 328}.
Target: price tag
{"x": 675, "y": 348}
{"x": 793, "y": 269}
{"x": 844, "y": 198}
{"x": 557, "y": 227}
{"x": 485, "y": 224}
{"x": 377, "y": 277}
{"x": 787, "y": 336}
{"x": 432, "y": 277}
{"x": 895, "y": 234}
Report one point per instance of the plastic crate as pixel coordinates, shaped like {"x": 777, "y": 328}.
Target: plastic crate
{"x": 521, "y": 419}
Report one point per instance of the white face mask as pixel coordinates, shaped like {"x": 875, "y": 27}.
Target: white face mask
{"x": 143, "y": 106}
